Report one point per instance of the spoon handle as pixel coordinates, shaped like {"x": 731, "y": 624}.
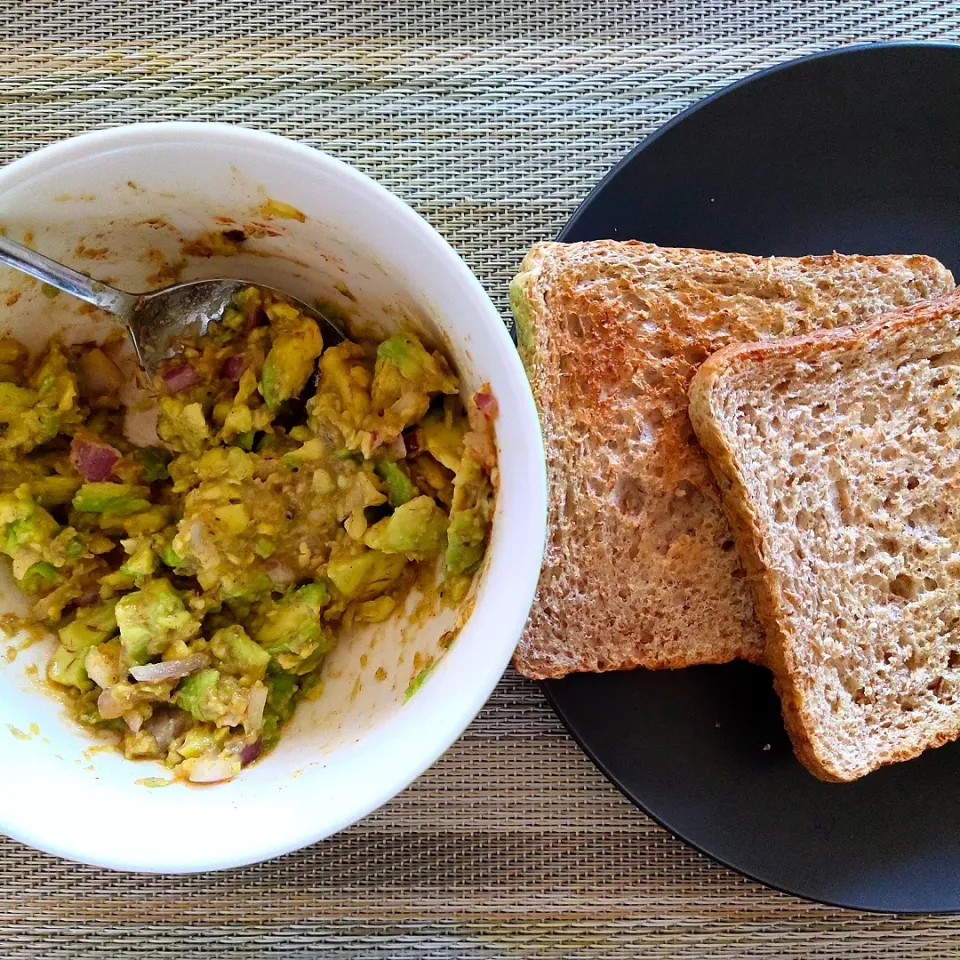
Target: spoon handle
{"x": 28, "y": 261}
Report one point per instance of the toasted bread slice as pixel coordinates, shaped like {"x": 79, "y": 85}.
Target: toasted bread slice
{"x": 839, "y": 458}
{"x": 640, "y": 566}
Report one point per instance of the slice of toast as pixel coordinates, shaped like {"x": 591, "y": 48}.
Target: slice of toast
{"x": 640, "y": 566}
{"x": 839, "y": 458}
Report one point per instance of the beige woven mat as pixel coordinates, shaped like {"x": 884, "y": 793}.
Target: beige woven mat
{"x": 493, "y": 118}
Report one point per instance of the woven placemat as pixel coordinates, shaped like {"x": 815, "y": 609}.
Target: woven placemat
{"x": 493, "y": 118}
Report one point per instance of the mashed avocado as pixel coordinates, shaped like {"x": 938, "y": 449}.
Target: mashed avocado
{"x": 196, "y": 585}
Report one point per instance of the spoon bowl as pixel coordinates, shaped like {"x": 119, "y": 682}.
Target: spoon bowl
{"x": 188, "y": 309}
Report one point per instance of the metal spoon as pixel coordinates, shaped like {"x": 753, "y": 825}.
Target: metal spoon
{"x": 151, "y": 319}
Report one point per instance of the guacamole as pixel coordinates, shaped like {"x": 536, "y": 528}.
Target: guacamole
{"x": 195, "y": 585}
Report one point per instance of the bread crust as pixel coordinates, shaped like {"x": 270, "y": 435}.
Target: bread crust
{"x": 775, "y": 591}
{"x": 639, "y": 567}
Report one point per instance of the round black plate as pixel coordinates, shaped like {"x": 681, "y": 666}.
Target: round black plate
{"x": 858, "y": 151}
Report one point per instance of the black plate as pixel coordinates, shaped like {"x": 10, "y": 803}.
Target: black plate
{"x": 858, "y": 151}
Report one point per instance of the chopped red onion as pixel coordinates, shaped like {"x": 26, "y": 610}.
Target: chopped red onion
{"x": 232, "y": 368}
{"x": 134, "y": 722}
{"x": 253, "y": 313}
{"x": 486, "y": 404}
{"x": 94, "y": 460}
{"x": 251, "y": 751}
{"x": 412, "y": 442}
{"x": 166, "y": 724}
{"x": 479, "y": 440}
{"x": 169, "y": 669}
{"x": 180, "y": 377}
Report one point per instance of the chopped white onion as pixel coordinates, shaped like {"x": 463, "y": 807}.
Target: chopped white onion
{"x": 140, "y": 424}
{"x": 213, "y": 769}
{"x": 256, "y": 701}
{"x": 169, "y": 669}
{"x": 279, "y": 573}
{"x": 109, "y": 706}
{"x": 102, "y": 670}
{"x": 397, "y": 447}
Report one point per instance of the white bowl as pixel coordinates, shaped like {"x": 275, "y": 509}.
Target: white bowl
{"x": 90, "y": 201}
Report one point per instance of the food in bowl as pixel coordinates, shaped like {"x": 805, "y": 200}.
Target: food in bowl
{"x": 197, "y": 583}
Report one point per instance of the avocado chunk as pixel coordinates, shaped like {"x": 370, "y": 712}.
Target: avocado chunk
{"x": 290, "y": 629}
{"x": 400, "y": 488}
{"x": 40, "y": 576}
{"x": 13, "y": 359}
{"x": 53, "y": 491}
{"x": 343, "y": 393}
{"x": 194, "y": 694}
{"x": 170, "y": 556}
{"x": 282, "y": 689}
{"x": 432, "y": 477}
{"x": 182, "y": 425}
{"x": 311, "y": 449}
{"x": 91, "y": 625}
{"x": 198, "y": 740}
{"x": 297, "y": 343}
{"x": 465, "y": 541}
{"x": 154, "y": 461}
{"x": 238, "y": 653}
{"x": 419, "y": 526}
{"x": 246, "y": 439}
{"x": 367, "y": 574}
{"x": 231, "y": 518}
{"x": 225, "y": 463}
{"x": 119, "y": 499}
{"x": 24, "y": 523}
{"x": 14, "y": 401}
{"x": 33, "y": 416}
{"x": 142, "y": 562}
{"x": 151, "y": 520}
{"x": 67, "y": 668}
{"x": 469, "y": 517}
{"x": 403, "y": 354}
{"x": 442, "y": 437}
{"x": 152, "y": 618}
{"x": 264, "y": 547}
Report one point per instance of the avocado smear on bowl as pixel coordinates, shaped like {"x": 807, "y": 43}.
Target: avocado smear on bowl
{"x": 195, "y": 585}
